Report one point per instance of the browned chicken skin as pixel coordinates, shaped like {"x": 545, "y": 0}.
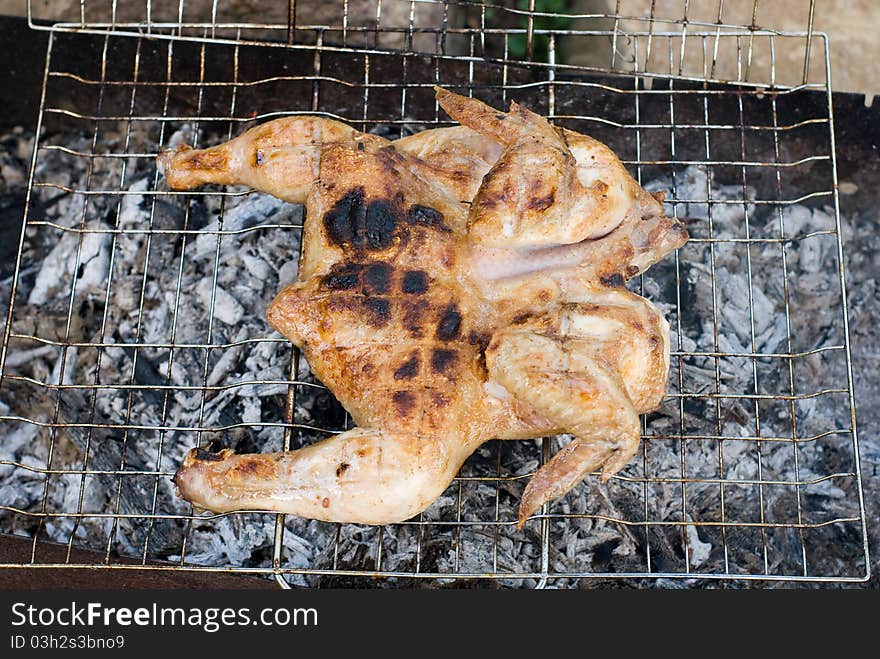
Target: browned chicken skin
{"x": 455, "y": 286}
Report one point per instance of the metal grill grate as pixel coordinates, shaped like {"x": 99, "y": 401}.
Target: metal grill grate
{"x": 603, "y": 31}
{"x": 738, "y": 159}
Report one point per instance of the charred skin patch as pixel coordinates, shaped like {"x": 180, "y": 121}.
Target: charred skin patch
{"x": 341, "y": 469}
{"x": 207, "y": 160}
{"x": 500, "y": 186}
{"x": 259, "y": 159}
{"x": 540, "y": 194}
{"x": 614, "y": 280}
{"x": 449, "y": 325}
{"x": 414, "y": 317}
{"x": 418, "y": 214}
{"x": 404, "y": 402}
{"x": 541, "y": 203}
{"x": 342, "y": 221}
{"x": 257, "y": 467}
{"x": 377, "y": 277}
{"x": 205, "y": 455}
{"x": 480, "y": 339}
{"x": 409, "y": 369}
{"x": 438, "y": 399}
{"x": 382, "y": 219}
{"x": 343, "y": 277}
{"x": 415, "y": 282}
{"x": 442, "y": 360}
{"x": 353, "y": 223}
{"x": 378, "y": 311}
{"x": 343, "y": 304}
{"x": 631, "y": 271}
{"x": 482, "y": 367}
{"x": 390, "y": 159}
{"x": 487, "y": 202}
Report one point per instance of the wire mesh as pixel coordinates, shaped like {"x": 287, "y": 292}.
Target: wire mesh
{"x": 599, "y": 32}
{"x": 734, "y": 159}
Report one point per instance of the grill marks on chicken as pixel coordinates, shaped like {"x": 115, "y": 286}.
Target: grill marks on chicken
{"x": 457, "y": 285}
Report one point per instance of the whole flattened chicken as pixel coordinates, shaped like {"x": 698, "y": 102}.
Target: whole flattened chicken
{"x": 455, "y": 286}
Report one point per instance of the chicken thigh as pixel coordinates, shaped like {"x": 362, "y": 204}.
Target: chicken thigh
{"x": 455, "y": 286}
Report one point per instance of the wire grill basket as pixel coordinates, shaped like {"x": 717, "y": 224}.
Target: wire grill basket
{"x": 748, "y": 471}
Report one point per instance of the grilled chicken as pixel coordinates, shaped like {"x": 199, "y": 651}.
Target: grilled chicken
{"x": 457, "y": 285}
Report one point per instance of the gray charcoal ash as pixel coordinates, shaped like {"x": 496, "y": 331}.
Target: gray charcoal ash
{"x": 84, "y": 258}
{"x": 229, "y": 540}
{"x": 241, "y": 213}
{"x": 214, "y": 297}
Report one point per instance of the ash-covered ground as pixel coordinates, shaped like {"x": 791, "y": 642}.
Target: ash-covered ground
{"x": 759, "y": 504}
